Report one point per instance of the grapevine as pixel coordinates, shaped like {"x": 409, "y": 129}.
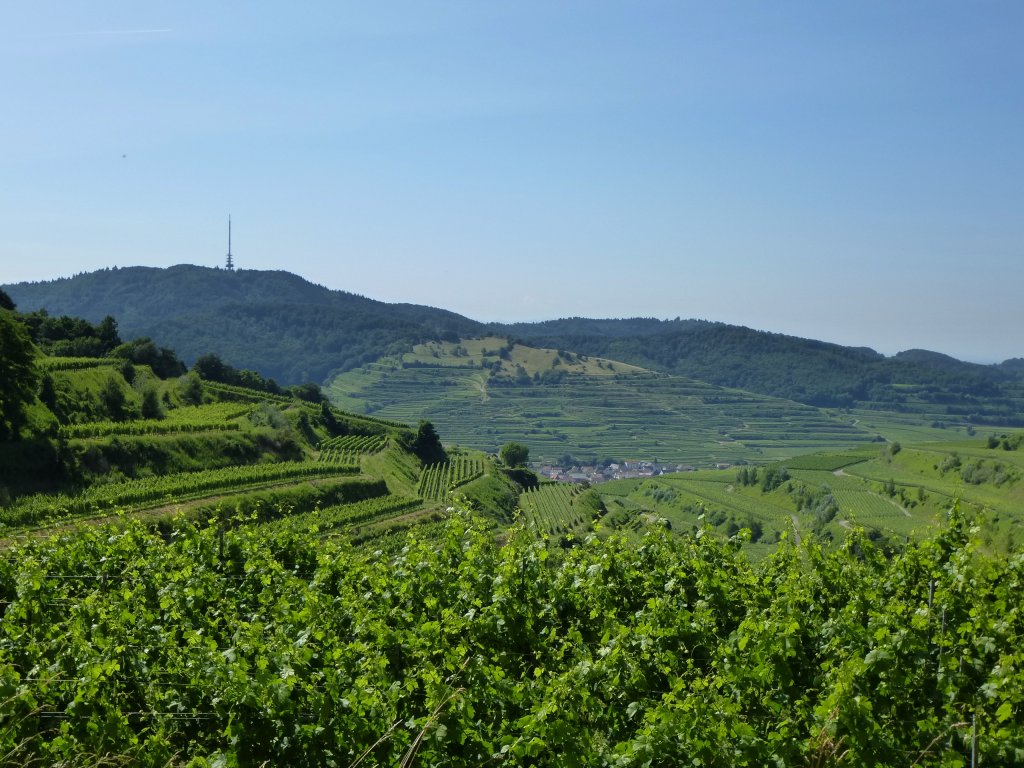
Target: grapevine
{"x": 274, "y": 645}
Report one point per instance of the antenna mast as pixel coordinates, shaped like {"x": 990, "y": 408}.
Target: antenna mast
{"x": 231, "y": 264}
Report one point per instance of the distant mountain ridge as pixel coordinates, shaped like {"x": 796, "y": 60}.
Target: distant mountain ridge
{"x": 292, "y": 330}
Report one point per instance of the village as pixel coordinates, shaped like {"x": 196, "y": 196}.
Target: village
{"x": 601, "y": 473}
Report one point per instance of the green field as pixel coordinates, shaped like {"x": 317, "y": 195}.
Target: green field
{"x": 895, "y": 492}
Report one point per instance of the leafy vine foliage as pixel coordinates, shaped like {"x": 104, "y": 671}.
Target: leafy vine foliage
{"x": 266, "y": 645}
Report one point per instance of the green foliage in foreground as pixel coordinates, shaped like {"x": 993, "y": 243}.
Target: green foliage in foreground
{"x": 255, "y": 646}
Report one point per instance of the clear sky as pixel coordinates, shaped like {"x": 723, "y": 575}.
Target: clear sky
{"x": 848, "y": 171}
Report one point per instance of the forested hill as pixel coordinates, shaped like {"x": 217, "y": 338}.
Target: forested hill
{"x": 271, "y": 321}
{"x": 294, "y": 331}
{"x": 805, "y": 370}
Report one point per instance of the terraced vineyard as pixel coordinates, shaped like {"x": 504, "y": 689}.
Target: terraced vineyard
{"x": 355, "y": 443}
{"x": 341, "y": 518}
{"x": 612, "y": 415}
{"x": 894, "y": 493}
{"x": 186, "y": 419}
{"x": 548, "y": 509}
{"x": 53, "y": 364}
{"x": 861, "y": 503}
{"x": 731, "y": 499}
{"x": 439, "y": 480}
{"x": 830, "y": 462}
{"x": 873, "y": 511}
{"x": 231, "y": 392}
{"x": 346, "y": 449}
{"x": 874, "y": 485}
{"x": 241, "y": 455}
{"x": 162, "y": 489}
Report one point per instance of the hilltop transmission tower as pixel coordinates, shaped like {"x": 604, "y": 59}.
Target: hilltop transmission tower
{"x": 230, "y": 264}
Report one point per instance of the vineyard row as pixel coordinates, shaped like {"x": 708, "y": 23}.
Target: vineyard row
{"x": 438, "y": 480}
{"x": 152, "y": 491}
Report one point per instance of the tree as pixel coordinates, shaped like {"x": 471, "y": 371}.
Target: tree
{"x": 127, "y": 370}
{"x": 254, "y": 380}
{"x": 191, "y": 388}
{"x": 151, "y": 404}
{"x": 143, "y": 351}
{"x": 48, "y": 392}
{"x": 309, "y": 392}
{"x": 113, "y": 398}
{"x": 514, "y": 454}
{"x": 211, "y": 368}
{"x": 6, "y": 302}
{"x": 19, "y": 377}
{"x": 427, "y": 445}
{"x": 329, "y": 421}
{"x": 107, "y": 333}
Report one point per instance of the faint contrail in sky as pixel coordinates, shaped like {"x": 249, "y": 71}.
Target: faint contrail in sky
{"x": 124, "y": 32}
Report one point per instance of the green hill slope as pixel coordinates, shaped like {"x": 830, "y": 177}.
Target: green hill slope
{"x": 274, "y": 322}
{"x": 293, "y": 331}
{"x": 95, "y": 440}
{"x": 484, "y": 392}
{"x": 808, "y": 371}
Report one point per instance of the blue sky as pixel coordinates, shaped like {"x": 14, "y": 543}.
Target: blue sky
{"x": 852, "y": 172}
